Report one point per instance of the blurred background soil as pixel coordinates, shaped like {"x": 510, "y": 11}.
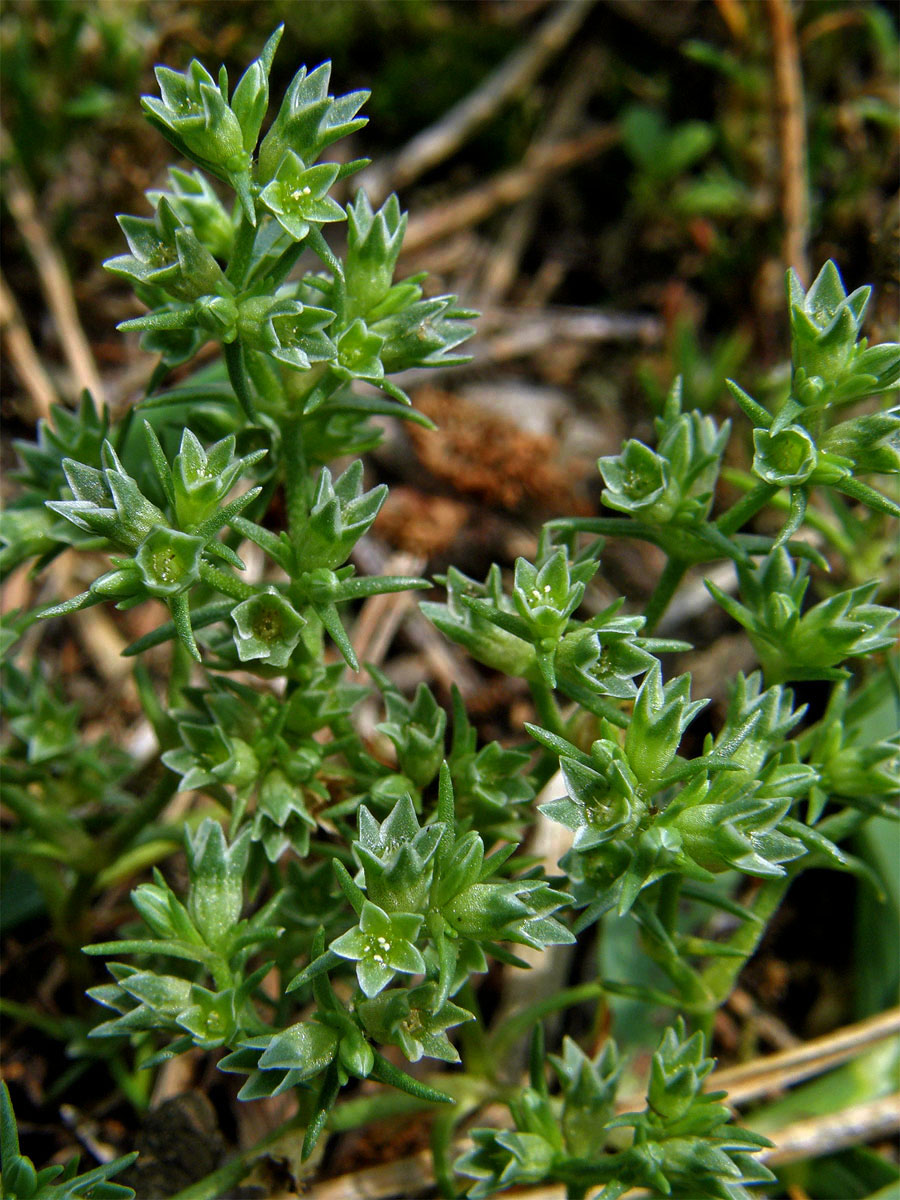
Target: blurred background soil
{"x": 623, "y": 211}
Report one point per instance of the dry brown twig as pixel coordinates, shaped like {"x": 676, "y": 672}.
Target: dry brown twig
{"x": 853, "y": 1126}
{"x": 381, "y": 616}
{"x": 734, "y": 15}
{"x": 373, "y": 635}
{"x": 791, "y": 115}
{"x": 510, "y": 333}
{"x": 861, "y": 1123}
{"x": 53, "y": 277}
{"x": 548, "y": 841}
{"x": 17, "y": 340}
{"x": 505, "y": 188}
{"x": 774, "y": 1072}
{"x": 503, "y": 264}
{"x": 761, "y": 1023}
{"x": 440, "y": 140}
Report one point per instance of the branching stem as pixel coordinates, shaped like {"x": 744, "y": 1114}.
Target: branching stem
{"x": 227, "y": 584}
{"x": 242, "y": 252}
{"x": 239, "y": 377}
{"x": 295, "y": 479}
{"x": 745, "y": 509}
{"x": 665, "y": 589}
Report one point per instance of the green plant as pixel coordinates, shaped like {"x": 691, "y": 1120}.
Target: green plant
{"x": 20, "y": 1180}
{"x": 337, "y": 905}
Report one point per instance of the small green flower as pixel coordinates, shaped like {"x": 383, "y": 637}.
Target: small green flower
{"x": 606, "y": 653}
{"x": 596, "y": 808}
{"x": 499, "y": 1160}
{"x": 406, "y": 1017}
{"x": 422, "y": 333}
{"x": 416, "y": 729}
{"x": 547, "y": 597}
{"x": 341, "y": 512}
{"x": 870, "y": 442}
{"x": 169, "y": 561}
{"x": 288, "y": 330}
{"x": 210, "y": 1018}
{"x": 359, "y": 351}
{"x": 306, "y": 1048}
{"x": 484, "y": 639}
{"x": 380, "y": 946}
{"x": 50, "y": 727}
{"x": 268, "y": 628}
{"x": 397, "y": 855}
{"x": 636, "y": 480}
{"x": 793, "y": 643}
{"x": 784, "y": 458}
{"x": 298, "y": 196}
{"x": 107, "y": 501}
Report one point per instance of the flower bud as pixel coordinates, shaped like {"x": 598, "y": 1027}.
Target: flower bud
{"x": 636, "y": 481}
{"x": 785, "y": 458}
{"x": 217, "y": 881}
{"x": 267, "y": 628}
{"x": 168, "y": 561}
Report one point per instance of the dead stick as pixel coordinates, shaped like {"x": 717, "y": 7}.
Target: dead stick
{"x": 399, "y": 1178}
{"x": 520, "y": 333}
{"x": 54, "y": 278}
{"x": 502, "y": 266}
{"x": 853, "y": 1126}
{"x": 381, "y": 616}
{"x": 863, "y": 1122}
{"x": 24, "y": 357}
{"x": 445, "y": 136}
{"x": 777, "y": 1071}
{"x": 504, "y": 189}
{"x": 791, "y": 115}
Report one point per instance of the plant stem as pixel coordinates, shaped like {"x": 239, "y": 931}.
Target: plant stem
{"x": 473, "y": 1038}
{"x": 61, "y": 1028}
{"x": 745, "y": 508}
{"x": 46, "y": 823}
{"x": 225, "y": 583}
{"x": 147, "y": 854}
{"x": 465, "y": 1089}
{"x": 522, "y": 1021}
{"x": 816, "y": 520}
{"x": 131, "y": 823}
{"x": 242, "y": 252}
{"x": 692, "y": 991}
{"x": 281, "y": 268}
{"x": 545, "y": 704}
{"x": 238, "y": 378}
{"x": 295, "y": 478}
{"x": 665, "y": 589}
{"x": 266, "y": 380}
{"x": 667, "y": 904}
{"x": 839, "y": 826}
{"x": 720, "y": 976}
{"x": 607, "y": 527}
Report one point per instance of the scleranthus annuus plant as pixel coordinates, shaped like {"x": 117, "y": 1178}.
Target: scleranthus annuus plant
{"x": 340, "y": 912}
